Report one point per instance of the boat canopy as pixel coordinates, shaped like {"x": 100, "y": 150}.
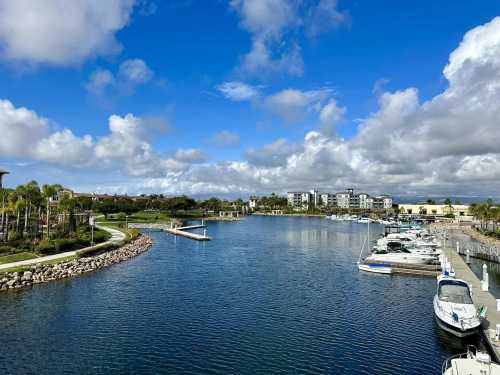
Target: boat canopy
{"x": 454, "y": 291}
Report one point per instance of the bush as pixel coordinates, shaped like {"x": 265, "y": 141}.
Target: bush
{"x": 65, "y": 245}
{"x": 133, "y": 233}
{"x": 45, "y": 248}
{"x": 7, "y": 250}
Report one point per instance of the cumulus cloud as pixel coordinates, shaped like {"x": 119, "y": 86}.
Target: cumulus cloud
{"x": 325, "y": 16}
{"x": 226, "y": 139}
{"x": 189, "y": 155}
{"x": 274, "y": 154}
{"x": 135, "y": 71}
{"x": 238, "y": 91}
{"x": 131, "y": 73}
{"x": 271, "y": 24}
{"x": 447, "y": 144}
{"x": 61, "y": 32}
{"x": 99, "y": 81}
{"x": 293, "y": 105}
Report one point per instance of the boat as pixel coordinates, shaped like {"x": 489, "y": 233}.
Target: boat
{"x": 401, "y": 257}
{"x": 471, "y": 363}
{"x": 375, "y": 268}
{"x": 453, "y": 306}
{"x": 364, "y": 220}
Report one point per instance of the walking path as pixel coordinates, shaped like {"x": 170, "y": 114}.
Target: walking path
{"x": 116, "y": 237}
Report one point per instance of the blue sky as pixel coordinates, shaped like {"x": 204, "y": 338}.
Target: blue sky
{"x": 312, "y": 74}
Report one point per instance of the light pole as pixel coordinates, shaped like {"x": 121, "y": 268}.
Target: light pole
{"x": 91, "y": 222}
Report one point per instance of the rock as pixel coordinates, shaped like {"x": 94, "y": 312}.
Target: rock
{"x": 27, "y": 276}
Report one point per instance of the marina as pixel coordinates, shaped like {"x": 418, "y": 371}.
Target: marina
{"x": 268, "y": 295}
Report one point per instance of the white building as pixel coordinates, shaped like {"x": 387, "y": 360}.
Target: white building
{"x": 344, "y": 199}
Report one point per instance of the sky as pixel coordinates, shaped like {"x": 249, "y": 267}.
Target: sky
{"x": 240, "y": 97}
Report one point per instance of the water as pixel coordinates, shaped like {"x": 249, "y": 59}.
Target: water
{"x": 265, "y": 296}
{"x": 476, "y": 265}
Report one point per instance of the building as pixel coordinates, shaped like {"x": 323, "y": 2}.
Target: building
{"x": 434, "y": 209}
{"x": 345, "y": 199}
{"x": 253, "y": 202}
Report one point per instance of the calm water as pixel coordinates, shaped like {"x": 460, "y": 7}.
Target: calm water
{"x": 476, "y": 265}
{"x": 267, "y": 295}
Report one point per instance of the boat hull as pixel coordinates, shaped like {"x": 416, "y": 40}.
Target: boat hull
{"x": 375, "y": 268}
{"x": 453, "y": 330}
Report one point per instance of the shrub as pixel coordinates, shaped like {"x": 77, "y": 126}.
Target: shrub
{"x": 45, "y": 248}
{"x": 7, "y": 250}
{"x": 65, "y": 245}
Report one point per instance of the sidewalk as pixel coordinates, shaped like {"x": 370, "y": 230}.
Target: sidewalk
{"x": 116, "y": 237}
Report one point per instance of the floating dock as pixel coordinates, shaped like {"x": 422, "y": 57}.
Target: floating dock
{"x": 411, "y": 269}
{"x": 479, "y": 297}
{"x": 177, "y": 231}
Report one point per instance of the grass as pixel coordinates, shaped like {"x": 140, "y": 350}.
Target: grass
{"x": 17, "y": 257}
{"x": 48, "y": 262}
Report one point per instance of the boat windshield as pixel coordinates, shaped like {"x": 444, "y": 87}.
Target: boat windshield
{"x": 454, "y": 292}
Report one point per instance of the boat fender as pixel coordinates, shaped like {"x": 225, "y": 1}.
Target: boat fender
{"x": 455, "y": 316}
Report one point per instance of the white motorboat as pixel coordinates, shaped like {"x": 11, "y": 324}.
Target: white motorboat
{"x": 400, "y": 257}
{"x": 453, "y": 306}
{"x": 375, "y": 268}
{"x": 471, "y": 363}
{"x": 364, "y": 220}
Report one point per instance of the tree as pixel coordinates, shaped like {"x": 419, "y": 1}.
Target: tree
{"x": 431, "y": 201}
{"x": 48, "y": 192}
{"x": 447, "y": 202}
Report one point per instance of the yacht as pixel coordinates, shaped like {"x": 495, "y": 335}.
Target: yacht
{"x": 402, "y": 256}
{"x": 364, "y": 220}
{"x": 471, "y": 363}
{"x": 455, "y": 312}
{"x": 375, "y": 268}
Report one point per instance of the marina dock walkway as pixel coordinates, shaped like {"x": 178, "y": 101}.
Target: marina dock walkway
{"x": 177, "y": 231}
{"x": 480, "y": 298}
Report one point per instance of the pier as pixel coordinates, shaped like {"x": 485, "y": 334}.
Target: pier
{"x": 479, "y": 297}
{"x": 177, "y": 231}
{"x": 412, "y": 269}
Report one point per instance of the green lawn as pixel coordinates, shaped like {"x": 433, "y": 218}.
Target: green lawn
{"x": 17, "y": 257}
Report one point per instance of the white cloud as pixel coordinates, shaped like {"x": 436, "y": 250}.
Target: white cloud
{"x": 445, "y": 145}
{"x": 274, "y": 154}
{"x": 99, "y": 80}
{"x": 325, "y": 16}
{"x": 61, "y": 32}
{"x": 189, "y": 155}
{"x": 131, "y": 73}
{"x": 226, "y": 139}
{"x": 293, "y": 105}
{"x": 238, "y": 91}
{"x": 135, "y": 71}
{"x": 271, "y": 24}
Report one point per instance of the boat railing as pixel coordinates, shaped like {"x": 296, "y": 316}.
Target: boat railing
{"x": 471, "y": 350}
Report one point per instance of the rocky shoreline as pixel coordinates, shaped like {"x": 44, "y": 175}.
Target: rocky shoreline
{"x": 41, "y": 273}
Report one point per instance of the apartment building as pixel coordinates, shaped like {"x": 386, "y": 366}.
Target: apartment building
{"x": 345, "y": 199}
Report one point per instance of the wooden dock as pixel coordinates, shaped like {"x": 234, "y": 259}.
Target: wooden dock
{"x": 177, "y": 231}
{"x": 480, "y": 298}
{"x": 412, "y": 269}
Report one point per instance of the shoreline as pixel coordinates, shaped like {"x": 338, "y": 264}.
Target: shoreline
{"x": 43, "y": 273}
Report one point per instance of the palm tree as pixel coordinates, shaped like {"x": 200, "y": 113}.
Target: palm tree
{"x": 48, "y": 191}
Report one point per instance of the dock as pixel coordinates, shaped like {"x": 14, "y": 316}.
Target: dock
{"x": 177, "y": 231}
{"x": 412, "y": 269}
{"x": 479, "y": 297}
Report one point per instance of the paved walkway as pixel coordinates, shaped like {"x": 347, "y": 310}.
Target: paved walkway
{"x": 116, "y": 237}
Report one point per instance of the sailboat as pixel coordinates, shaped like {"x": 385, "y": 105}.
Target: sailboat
{"x": 372, "y": 267}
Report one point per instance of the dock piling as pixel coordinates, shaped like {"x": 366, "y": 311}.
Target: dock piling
{"x": 485, "y": 282}
{"x": 467, "y": 259}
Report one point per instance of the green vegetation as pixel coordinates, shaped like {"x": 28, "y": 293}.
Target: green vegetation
{"x": 488, "y": 215}
{"x": 17, "y": 257}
